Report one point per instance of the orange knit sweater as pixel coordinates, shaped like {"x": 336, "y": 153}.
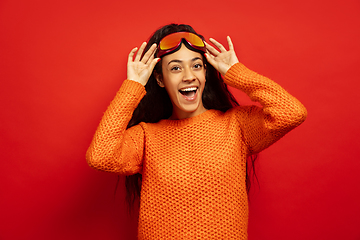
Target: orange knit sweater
{"x": 193, "y": 184}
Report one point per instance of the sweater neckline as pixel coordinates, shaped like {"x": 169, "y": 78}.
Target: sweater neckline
{"x": 182, "y": 122}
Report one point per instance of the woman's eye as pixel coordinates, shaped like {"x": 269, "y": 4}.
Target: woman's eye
{"x": 175, "y": 68}
{"x": 197, "y": 66}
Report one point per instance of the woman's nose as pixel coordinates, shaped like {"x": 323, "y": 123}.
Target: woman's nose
{"x": 188, "y": 75}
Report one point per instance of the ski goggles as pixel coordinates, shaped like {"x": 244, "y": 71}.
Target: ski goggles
{"x": 173, "y": 41}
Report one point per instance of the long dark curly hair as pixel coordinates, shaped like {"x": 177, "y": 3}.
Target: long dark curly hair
{"x": 156, "y": 104}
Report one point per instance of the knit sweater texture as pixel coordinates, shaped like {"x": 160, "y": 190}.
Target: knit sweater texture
{"x": 194, "y": 170}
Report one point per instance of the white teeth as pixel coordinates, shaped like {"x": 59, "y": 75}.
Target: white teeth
{"x": 188, "y": 89}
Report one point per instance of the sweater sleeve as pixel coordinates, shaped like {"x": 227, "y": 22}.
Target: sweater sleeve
{"x": 279, "y": 114}
{"x": 115, "y": 148}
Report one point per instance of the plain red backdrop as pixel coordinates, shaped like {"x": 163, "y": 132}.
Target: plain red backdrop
{"x": 61, "y": 63}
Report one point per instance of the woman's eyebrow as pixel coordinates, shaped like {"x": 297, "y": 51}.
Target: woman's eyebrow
{"x": 175, "y": 60}
{"x": 180, "y": 61}
{"x": 196, "y": 58}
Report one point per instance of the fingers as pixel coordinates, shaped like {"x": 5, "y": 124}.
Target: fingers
{"x": 149, "y": 55}
{"x": 218, "y": 45}
{"x": 131, "y": 54}
{"x": 210, "y": 58}
{"x": 139, "y": 53}
{"x": 231, "y": 46}
{"x": 153, "y": 63}
{"x": 212, "y": 50}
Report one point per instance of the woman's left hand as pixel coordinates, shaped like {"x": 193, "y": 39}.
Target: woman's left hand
{"x": 221, "y": 59}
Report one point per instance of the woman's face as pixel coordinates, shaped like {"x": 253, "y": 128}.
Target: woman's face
{"x": 183, "y": 76}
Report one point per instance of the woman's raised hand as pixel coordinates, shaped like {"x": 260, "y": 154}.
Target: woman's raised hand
{"x": 140, "y": 69}
{"x": 220, "y": 58}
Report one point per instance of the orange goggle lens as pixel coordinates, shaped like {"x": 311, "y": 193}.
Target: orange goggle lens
{"x": 172, "y": 41}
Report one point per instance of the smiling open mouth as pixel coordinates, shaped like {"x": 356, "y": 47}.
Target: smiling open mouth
{"x": 188, "y": 92}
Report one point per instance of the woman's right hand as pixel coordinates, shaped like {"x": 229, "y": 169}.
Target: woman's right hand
{"x": 140, "y": 69}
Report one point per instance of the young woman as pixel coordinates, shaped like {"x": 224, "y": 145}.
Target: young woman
{"x": 175, "y": 123}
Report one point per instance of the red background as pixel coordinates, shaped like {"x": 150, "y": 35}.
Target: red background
{"x": 61, "y": 63}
